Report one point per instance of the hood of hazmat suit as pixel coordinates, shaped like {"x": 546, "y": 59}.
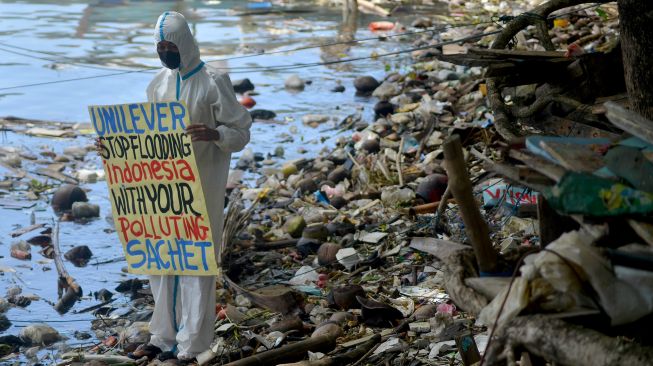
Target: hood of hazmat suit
{"x": 184, "y": 311}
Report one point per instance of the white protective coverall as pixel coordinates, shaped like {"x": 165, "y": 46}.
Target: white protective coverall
{"x": 184, "y": 312}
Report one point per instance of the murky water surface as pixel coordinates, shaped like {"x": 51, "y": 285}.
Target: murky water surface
{"x": 77, "y": 40}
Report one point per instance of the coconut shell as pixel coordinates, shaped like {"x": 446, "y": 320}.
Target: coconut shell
{"x": 328, "y": 328}
{"x": 344, "y": 297}
{"x": 425, "y": 312}
{"x": 378, "y": 314}
{"x": 326, "y": 255}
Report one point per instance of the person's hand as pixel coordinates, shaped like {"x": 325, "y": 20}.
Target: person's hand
{"x": 200, "y": 132}
{"x": 98, "y": 146}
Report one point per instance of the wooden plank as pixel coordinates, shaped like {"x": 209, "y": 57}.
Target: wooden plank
{"x": 25, "y": 230}
{"x": 629, "y": 121}
{"x": 541, "y": 165}
{"x": 576, "y": 157}
{"x": 517, "y": 53}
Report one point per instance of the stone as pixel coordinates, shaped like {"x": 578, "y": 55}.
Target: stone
{"x": 242, "y": 301}
{"x": 338, "y": 202}
{"x": 65, "y": 196}
{"x": 39, "y": 334}
{"x": 371, "y": 146}
{"x": 138, "y": 332}
{"x": 387, "y": 90}
{"x": 294, "y": 82}
{"x": 4, "y": 323}
{"x": 79, "y": 255}
{"x": 13, "y": 160}
{"x": 262, "y": 114}
{"x": 383, "y": 108}
{"x": 307, "y": 185}
{"x": 77, "y": 152}
{"x": 338, "y": 89}
{"x": 294, "y": 226}
{"x": 340, "y": 228}
{"x": 243, "y": 85}
{"x": 422, "y": 23}
{"x": 314, "y": 120}
{"x": 82, "y": 210}
{"x": 365, "y": 84}
{"x": 338, "y": 175}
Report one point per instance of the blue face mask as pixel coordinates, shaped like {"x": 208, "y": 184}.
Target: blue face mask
{"x": 170, "y": 59}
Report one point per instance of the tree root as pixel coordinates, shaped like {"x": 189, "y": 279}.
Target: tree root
{"x": 564, "y": 344}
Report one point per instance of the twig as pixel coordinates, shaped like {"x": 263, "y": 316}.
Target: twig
{"x": 400, "y": 154}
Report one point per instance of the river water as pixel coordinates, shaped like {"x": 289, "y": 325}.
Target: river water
{"x": 46, "y": 43}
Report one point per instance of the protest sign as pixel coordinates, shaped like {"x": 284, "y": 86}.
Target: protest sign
{"x": 154, "y": 187}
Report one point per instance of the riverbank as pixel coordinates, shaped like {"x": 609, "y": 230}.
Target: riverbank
{"x": 356, "y": 233}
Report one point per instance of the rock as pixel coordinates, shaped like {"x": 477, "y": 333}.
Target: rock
{"x": 294, "y": 226}
{"x": 371, "y": 146}
{"x": 65, "y": 196}
{"x": 39, "y": 335}
{"x": 315, "y": 231}
{"x": 344, "y": 297}
{"x": 242, "y": 86}
{"x": 131, "y": 285}
{"x": 294, "y": 82}
{"x": 307, "y": 246}
{"x": 393, "y": 196}
{"x": 79, "y": 256}
{"x": 431, "y": 188}
{"x": 77, "y": 152}
{"x": 307, "y": 185}
{"x": 61, "y": 159}
{"x": 20, "y": 301}
{"x": 262, "y": 114}
{"x": 11, "y": 342}
{"x": 340, "y": 228}
{"x": 365, "y": 84}
{"x": 387, "y": 90}
{"x": 448, "y": 75}
{"x": 314, "y": 120}
{"x": 338, "y": 202}
{"x": 82, "y": 210}
{"x": 13, "y": 160}
{"x": 338, "y": 89}
{"x": 4, "y": 323}
{"x": 422, "y": 23}
{"x": 279, "y": 151}
{"x": 361, "y": 125}
{"x": 338, "y": 175}
{"x": 326, "y": 255}
{"x": 383, "y": 108}
{"x": 103, "y": 295}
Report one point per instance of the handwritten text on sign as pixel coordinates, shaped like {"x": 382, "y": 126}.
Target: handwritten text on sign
{"x": 157, "y": 200}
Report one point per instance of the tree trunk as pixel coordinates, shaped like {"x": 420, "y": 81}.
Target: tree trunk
{"x": 636, "y": 22}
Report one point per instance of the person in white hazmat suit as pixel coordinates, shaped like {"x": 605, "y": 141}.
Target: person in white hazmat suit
{"x": 184, "y": 311}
